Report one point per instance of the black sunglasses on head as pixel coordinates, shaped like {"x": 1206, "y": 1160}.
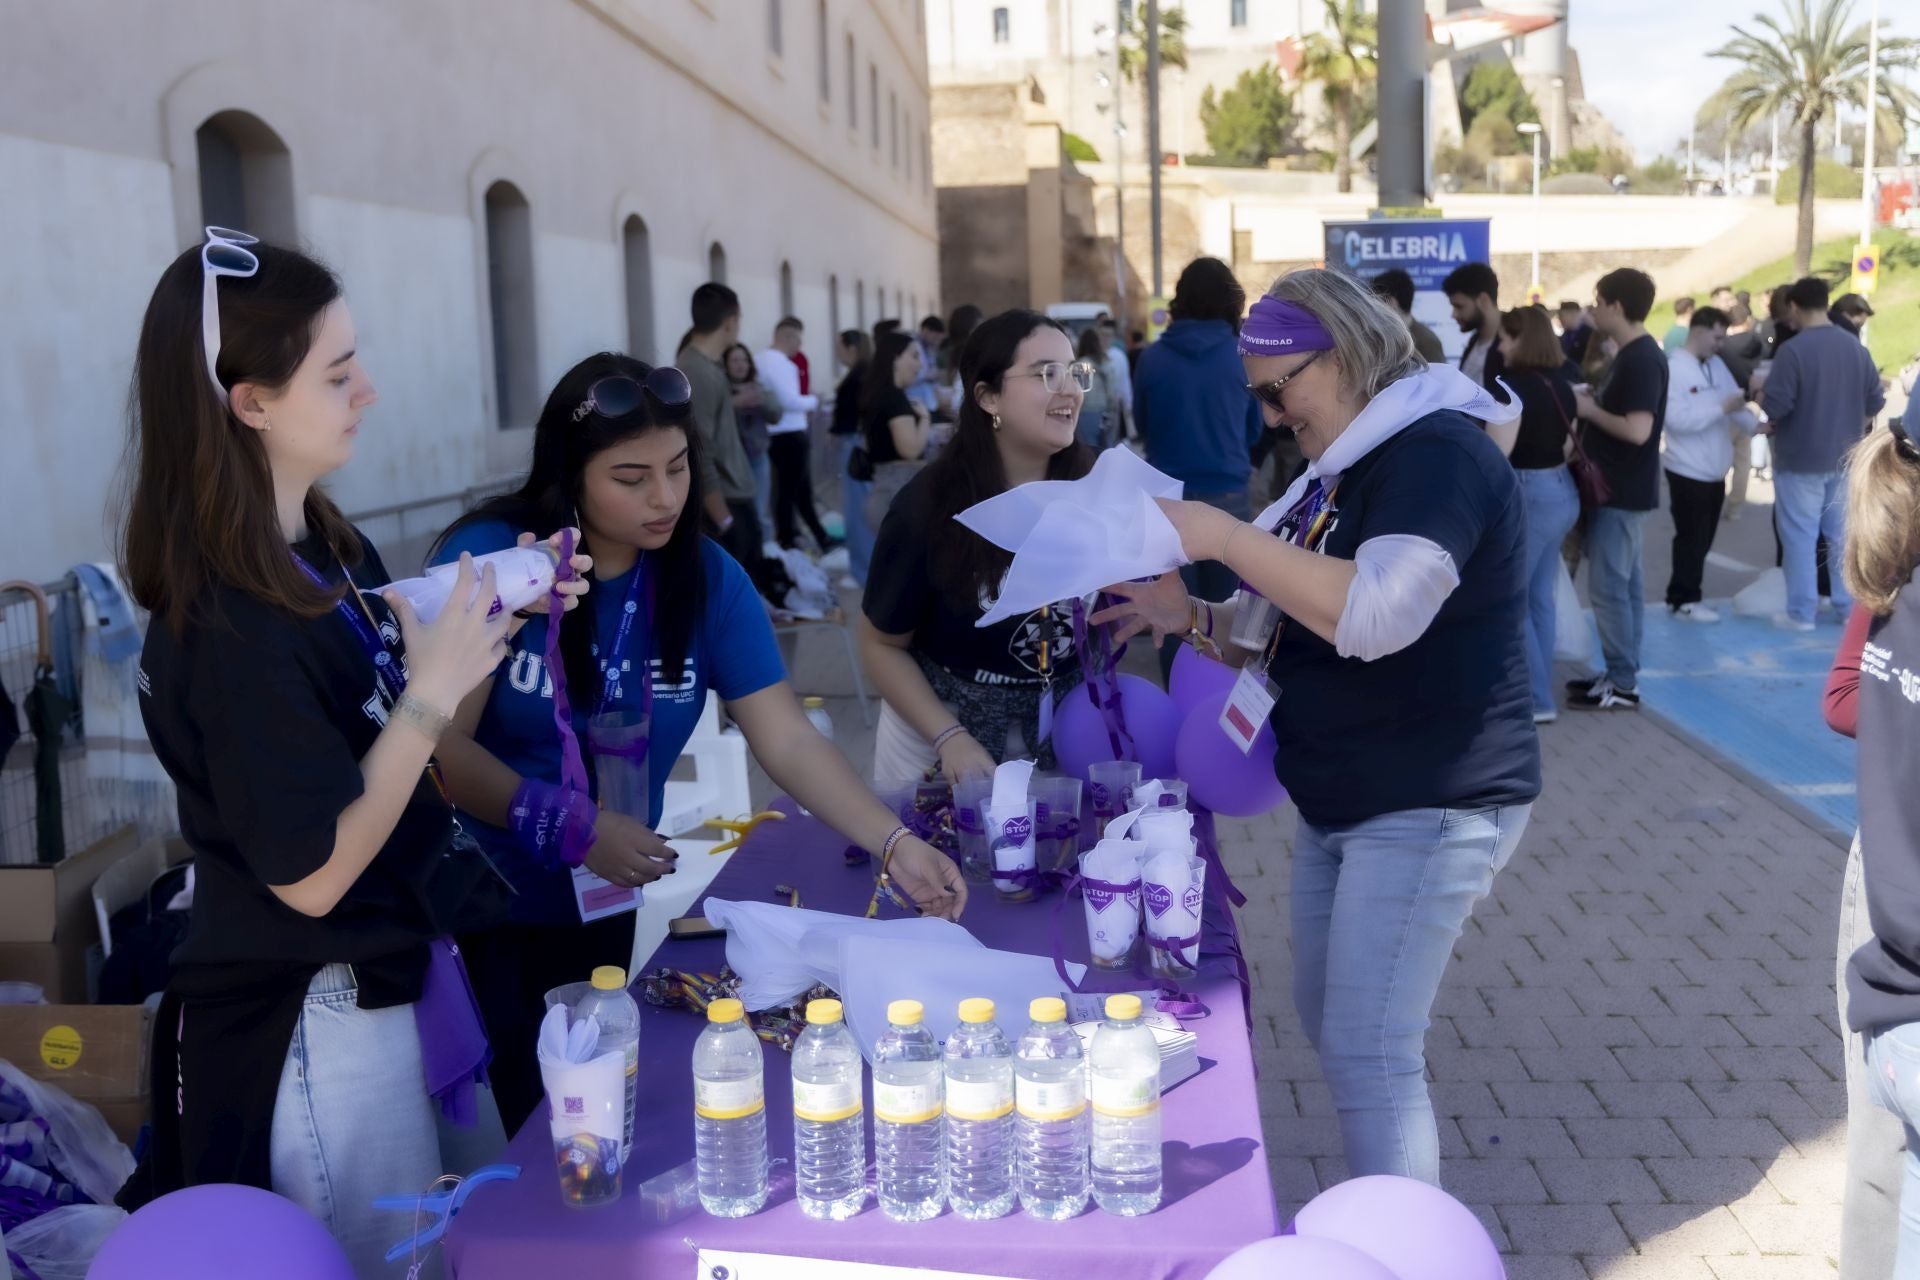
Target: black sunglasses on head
{"x": 619, "y": 394}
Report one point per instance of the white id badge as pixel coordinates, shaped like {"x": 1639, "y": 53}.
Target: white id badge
{"x": 1247, "y": 707}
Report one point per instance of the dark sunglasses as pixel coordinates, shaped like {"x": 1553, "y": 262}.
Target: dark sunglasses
{"x": 618, "y": 394}
{"x": 1272, "y": 393}
{"x": 1902, "y": 441}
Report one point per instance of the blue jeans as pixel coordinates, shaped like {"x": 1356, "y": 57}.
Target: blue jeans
{"x": 853, "y": 511}
{"x": 1876, "y": 1159}
{"x": 1618, "y": 588}
{"x": 1553, "y": 504}
{"x": 353, "y": 1121}
{"x": 1893, "y": 1074}
{"x": 1811, "y": 505}
{"x": 1377, "y": 906}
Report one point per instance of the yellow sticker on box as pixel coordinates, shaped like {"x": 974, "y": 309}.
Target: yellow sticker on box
{"x": 60, "y": 1047}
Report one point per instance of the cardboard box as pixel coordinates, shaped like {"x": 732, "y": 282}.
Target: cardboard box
{"x": 95, "y": 1052}
{"x": 46, "y": 917}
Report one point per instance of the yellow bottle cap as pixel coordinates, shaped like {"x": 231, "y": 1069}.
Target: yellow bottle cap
{"x": 1048, "y": 1009}
{"x": 823, "y": 1012}
{"x": 811, "y": 703}
{"x": 725, "y": 1011}
{"x": 906, "y": 1013}
{"x": 609, "y": 977}
{"x": 1123, "y": 1008}
{"x": 976, "y": 1010}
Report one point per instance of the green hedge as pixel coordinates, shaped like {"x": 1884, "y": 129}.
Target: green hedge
{"x": 1831, "y": 181}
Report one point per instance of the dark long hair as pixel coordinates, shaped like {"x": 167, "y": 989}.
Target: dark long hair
{"x": 549, "y": 500}
{"x": 876, "y": 385}
{"x": 965, "y": 566}
{"x": 199, "y": 499}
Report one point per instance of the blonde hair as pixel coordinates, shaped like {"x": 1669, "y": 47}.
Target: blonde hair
{"x": 1883, "y": 519}
{"x": 1371, "y": 341}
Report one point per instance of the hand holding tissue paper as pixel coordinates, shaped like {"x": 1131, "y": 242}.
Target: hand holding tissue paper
{"x": 586, "y": 1107}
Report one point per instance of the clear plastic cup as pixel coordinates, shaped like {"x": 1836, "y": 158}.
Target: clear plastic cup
{"x": 1110, "y": 785}
{"x": 619, "y": 740}
{"x": 970, "y": 824}
{"x": 1173, "y": 793}
{"x": 1012, "y": 847}
{"x": 1056, "y": 822}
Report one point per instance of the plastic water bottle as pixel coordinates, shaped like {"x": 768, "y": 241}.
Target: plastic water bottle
{"x": 816, "y": 709}
{"x": 1124, "y": 1074}
{"x": 1050, "y": 1097}
{"x": 829, "y": 1135}
{"x": 619, "y": 1026}
{"x": 909, "y": 1117}
{"x": 979, "y": 1064}
{"x": 729, "y": 1114}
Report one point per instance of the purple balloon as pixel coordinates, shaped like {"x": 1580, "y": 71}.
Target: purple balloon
{"x": 1080, "y": 732}
{"x": 1300, "y": 1258}
{"x": 1227, "y": 780}
{"x": 221, "y": 1230}
{"x": 1195, "y": 676}
{"x": 1434, "y": 1236}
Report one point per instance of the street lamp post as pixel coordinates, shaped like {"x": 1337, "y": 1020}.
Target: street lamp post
{"x": 1873, "y": 89}
{"x": 1533, "y": 130}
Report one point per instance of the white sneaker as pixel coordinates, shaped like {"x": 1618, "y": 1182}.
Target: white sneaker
{"x": 847, "y": 583}
{"x": 1787, "y": 622}
{"x": 1694, "y": 613}
{"x": 1545, "y": 717}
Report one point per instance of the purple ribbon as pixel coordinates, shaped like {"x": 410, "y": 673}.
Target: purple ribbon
{"x": 454, "y": 1052}
{"x": 573, "y": 769}
{"x": 1099, "y": 661}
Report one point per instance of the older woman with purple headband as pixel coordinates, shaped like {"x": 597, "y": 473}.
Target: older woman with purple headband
{"x": 1380, "y": 627}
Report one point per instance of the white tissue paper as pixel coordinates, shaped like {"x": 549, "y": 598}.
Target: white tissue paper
{"x": 879, "y": 970}
{"x": 1113, "y": 918}
{"x": 1121, "y": 825}
{"x": 1165, "y": 829}
{"x": 780, "y": 952}
{"x": 1172, "y": 889}
{"x": 1070, "y": 538}
{"x": 586, "y": 1093}
{"x": 1147, "y": 794}
{"x": 1010, "y": 824}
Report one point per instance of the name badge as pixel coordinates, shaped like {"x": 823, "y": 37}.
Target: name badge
{"x": 1248, "y": 706}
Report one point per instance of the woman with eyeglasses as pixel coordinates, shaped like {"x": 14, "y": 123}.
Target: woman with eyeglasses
{"x": 315, "y": 1014}
{"x": 960, "y": 698}
{"x": 1382, "y": 624}
{"x": 674, "y": 617}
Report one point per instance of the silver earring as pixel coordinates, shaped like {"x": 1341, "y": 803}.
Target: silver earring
{"x": 266, "y": 423}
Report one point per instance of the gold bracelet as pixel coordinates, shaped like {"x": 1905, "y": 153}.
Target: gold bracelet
{"x": 428, "y": 720}
{"x": 1227, "y": 546}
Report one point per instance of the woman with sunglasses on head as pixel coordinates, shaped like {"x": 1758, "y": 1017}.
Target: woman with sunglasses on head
{"x": 673, "y": 617}
{"x": 960, "y": 698}
{"x": 314, "y": 1013}
{"x": 1386, "y": 605}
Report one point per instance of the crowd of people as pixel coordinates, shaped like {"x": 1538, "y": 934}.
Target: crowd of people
{"x": 1393, "y": 608}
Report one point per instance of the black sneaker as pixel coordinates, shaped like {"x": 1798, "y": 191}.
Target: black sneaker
{"x": 1580, "y": 688}
{"x": 1604, "y": 697}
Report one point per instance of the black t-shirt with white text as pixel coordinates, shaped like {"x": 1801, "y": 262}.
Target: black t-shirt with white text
{"x": 1883, "y": 976}
{"x": 1637, "y": 383}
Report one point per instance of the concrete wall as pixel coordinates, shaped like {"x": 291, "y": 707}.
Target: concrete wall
{"x": 396, "y": 117}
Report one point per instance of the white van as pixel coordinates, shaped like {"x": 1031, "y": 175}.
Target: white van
{"x": 1078, "y": 317}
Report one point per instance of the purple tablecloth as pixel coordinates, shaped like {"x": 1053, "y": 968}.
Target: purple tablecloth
{"x": 1218, "y": 1197}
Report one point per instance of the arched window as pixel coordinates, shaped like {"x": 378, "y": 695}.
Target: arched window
{"x": 638, "y": 255}
{"x": 246, "y": 177}
{"x": 860, "y": 303}
{"x": 786, "y": 289}
{"x": 833, "y": 309}
{"x": 853, "y": 86}
{"x": 511, "y": 301}
{"x": 717, "y": 263}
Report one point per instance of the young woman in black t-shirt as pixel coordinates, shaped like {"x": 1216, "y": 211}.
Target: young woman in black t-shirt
{"x": 953, "y": 692}
{"x": 312, "y": 1017}
{"x": 897, "y": 428}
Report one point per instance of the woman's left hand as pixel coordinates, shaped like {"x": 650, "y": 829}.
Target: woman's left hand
{"x": 573, "y": 588}
{"x": 1161, "y": 606}
{"x": 929, "y": 877}
{"x": 1203, "y": 529}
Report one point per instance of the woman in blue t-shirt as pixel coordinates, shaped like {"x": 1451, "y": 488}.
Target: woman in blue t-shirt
{"x": 672, "y": 617}
{"x": 1394, "y": 673}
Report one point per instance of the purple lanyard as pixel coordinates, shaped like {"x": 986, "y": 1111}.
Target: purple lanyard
{"x": 392, "y": 678}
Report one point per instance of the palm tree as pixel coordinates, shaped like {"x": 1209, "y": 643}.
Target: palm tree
{"x": 1805, "y": 66}
{"x": 1133, "y": 41}
{"x": 1343, "y": 60}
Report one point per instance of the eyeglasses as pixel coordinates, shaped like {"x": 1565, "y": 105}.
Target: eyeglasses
{"x": 1052, "y": 375}
{"x": 1272, "y": 393}
{"x": 224, "y": 254}
{"x": 618, "y": 394}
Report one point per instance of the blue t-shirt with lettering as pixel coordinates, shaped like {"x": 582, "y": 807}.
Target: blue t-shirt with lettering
{"x": 732, "y": 653}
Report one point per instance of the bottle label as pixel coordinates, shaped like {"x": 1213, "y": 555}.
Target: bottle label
{"x": 824, "y": 1102}
{"x": 907, "y": 1103}
{"x": 728, "y": 1099}
{"x": 979, "y": 1099}
{"x": 1048, "y": 1100}
{"x": 1126, "y": 1096}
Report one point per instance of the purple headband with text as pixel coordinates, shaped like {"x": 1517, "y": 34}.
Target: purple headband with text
{"x": 1276, "y": 327}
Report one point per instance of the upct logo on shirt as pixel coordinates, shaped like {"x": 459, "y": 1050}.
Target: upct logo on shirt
{"x": 528, "y": 671}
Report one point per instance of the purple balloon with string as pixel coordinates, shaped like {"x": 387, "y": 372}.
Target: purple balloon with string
{"x": 1195, "y": 676}
{"x": 1227, "y": 780}
{"x": 1080, "y": 736}
{"x": 220, "y": 1229}
{"x": 1434, "y": 1236}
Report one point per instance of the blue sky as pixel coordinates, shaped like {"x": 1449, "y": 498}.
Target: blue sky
{"x": 1645, "y": 61}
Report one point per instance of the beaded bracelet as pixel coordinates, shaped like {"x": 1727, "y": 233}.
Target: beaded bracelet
{"x": 947, "y": 735}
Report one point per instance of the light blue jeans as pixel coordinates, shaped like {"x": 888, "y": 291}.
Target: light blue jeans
{"x": 1553, "y": 504}
{"x": 1617, "y": 586}
{"x": 353, "y": 1121}
{"x": 1377, "y": 906}
{"x": 853, "y": 511}
{"x": 1876, "y": 1141}
{"x": 762, "y": 491}
{"x": 1893, "y": 1074}
{"x": 1809, "y": 505}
